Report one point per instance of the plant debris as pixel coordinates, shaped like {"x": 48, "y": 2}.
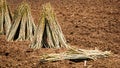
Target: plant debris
{"x": 74, "y": 54}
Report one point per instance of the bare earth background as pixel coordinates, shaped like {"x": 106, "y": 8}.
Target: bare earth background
{"x": 85, "y": 23}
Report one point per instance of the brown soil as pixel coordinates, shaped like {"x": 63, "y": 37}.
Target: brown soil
{"x": 85, "y": 23}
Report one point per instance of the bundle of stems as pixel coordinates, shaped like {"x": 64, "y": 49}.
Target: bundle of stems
{"x": 23, "y": 27}
{"x": 48, "y": 33}
{"x": 5, "y": 18}
{"x": 76, "y": 54}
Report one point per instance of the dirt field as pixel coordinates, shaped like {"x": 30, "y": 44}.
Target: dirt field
{"x": 85, "y": 23}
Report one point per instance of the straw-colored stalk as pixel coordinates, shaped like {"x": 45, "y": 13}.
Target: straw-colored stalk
{"x": 5, "y": 18}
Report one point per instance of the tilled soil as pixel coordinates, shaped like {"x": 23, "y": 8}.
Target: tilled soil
{"x": 85, "y": 23}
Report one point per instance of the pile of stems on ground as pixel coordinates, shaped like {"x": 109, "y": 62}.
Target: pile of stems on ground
{"x": 75, "y": 54}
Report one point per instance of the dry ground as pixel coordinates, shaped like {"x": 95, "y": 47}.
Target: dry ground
{"x": 85, "y": 23}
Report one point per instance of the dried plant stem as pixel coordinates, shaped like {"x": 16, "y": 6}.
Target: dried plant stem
{"x": 5, "y": 18}
{"x": 37, "y": 42}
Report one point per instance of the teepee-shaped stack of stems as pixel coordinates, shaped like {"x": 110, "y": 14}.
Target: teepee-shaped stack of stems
{"x": 48, "y": 33}
{"x": 23, "y": 26}
{"x": 5, "y": 18}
